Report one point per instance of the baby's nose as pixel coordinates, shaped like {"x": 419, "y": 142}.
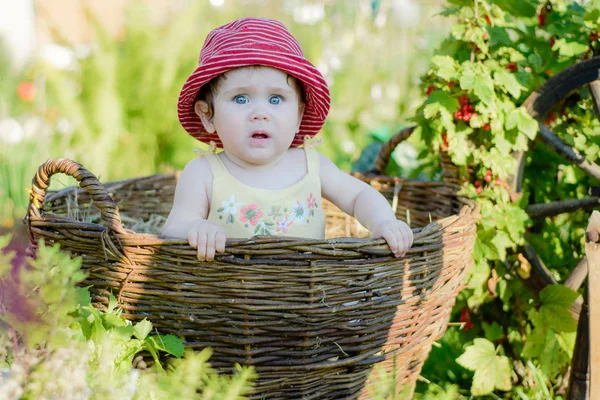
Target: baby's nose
{"x": 259, "y": 115}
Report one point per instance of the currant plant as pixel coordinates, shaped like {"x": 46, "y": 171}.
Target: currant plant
{"x": 510, "y": 341}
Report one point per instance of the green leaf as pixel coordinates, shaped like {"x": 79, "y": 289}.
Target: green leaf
{"x": 501, "y": 164}
{"x": 499, "y": 35}
{"x": 112, "y": 320}
{"x": 230, "y": 219}
{"x": 508, "y": 82}
{"x": 553, "y": 357}
{"x": 446, "y": 67}
{"x": 554, "y": 311}
{"x": 480, "y": 82}
{"x": 502, "y": 144}
{"x": 570, "y": 49}
{"x": 492, "y": 332}
{"x": 479, "y": 274}
{"x": 520, "y": 119}
{"x": 83, "y": 296}
{"x": 439, "y": 101}
{"x": 168, "y": 343}
{"x": 483, "y": 246}
{"x": 491, "y": 371}
{"x": 558, "y": 295}
{"x": 142, "y": 329}
{"x": 502, "y": 242}
{"x": 522, "y": 8}
{"x": 460, "y": 145}
{"x": 112, "y": 303}
{"x": 534, "y": 344}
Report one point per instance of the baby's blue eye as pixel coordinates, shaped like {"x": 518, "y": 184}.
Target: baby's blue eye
{"x": 241, "y": 99}
{"x": 275, "y": 99}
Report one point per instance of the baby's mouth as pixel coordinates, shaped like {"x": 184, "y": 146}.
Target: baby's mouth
{"x": 260, "y": 135}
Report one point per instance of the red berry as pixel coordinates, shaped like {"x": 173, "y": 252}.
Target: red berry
{"x": 463, "y": 100}
{"x": 430, "y": 89}
{"x": 467, "y": 117}
{"x": 488, "y": 19}
{"x": 542, "y": 19}
{"x": 594, "y": 36}
{"x": 465, "y": 317}
{"x": 451, "y": 84}
{"x": 486, "y": 127}
{"x": 445, "y": 139}
{"x": 512, "y": 67}
{"x": 26, "y": 91}
{"x": 488, "y": 177}
{"x": 477, "y": 184}
{"x": 552, "y": 41}
{"x": 478, "y": 190}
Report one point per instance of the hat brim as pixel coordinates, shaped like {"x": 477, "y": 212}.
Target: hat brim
{"x": 317, "y": 100}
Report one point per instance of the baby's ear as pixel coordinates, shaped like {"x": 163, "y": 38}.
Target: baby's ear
{"x": 301, "y": 108}
{"x": 203, "y": 111}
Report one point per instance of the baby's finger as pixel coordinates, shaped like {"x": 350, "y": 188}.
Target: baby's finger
{"x": 410, "y": 237}
{"x": 220, "y": 240}
{"x": 391, "y": 240}
{"x": 193, "y": 238}
{"x": 406, "y": 233}
{"x": 202, "y": 239}
{"x": 210, "y": 247}
{"x": 402, "y": 244}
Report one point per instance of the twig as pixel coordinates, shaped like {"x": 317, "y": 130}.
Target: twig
{"x": 342, "y": 350}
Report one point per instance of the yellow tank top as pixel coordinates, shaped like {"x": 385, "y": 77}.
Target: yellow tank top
{"x": 246, "y": 211}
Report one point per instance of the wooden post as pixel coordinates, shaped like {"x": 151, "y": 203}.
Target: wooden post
{"x": 592, "y": 250}
{"x": 579, "y": 378}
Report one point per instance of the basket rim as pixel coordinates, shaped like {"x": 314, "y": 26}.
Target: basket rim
{"x": 111, "y": 221}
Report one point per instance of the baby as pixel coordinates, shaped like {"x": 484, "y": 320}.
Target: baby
{"x": 255, "y": 96}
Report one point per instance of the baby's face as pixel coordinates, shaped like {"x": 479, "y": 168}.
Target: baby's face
{"x": 257, "y": 113}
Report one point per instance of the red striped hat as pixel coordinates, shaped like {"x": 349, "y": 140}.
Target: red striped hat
{"x": 254, "y": 41}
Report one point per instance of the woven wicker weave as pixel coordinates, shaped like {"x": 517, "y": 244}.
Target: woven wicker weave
{"x": 314, "y": 317}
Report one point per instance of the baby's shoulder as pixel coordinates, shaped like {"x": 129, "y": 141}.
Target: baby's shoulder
{"x": 197, "y": 171}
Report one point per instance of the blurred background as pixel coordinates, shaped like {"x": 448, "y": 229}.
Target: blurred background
{"x": 98, "y": 82}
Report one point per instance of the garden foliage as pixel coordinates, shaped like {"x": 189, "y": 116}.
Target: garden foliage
{"x": 511, "y": 343}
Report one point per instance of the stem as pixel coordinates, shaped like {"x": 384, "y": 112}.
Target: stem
{"x": 560, "y": 147}
{"x": 563, "y": 206}
{"x": 476, "y": 18}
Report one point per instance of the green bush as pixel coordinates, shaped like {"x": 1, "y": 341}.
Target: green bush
{"x": 54, "y": 344}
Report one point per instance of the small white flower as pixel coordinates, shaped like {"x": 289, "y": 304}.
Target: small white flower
{"x": 299, "y": 211}
{"x": 230, "y": 206}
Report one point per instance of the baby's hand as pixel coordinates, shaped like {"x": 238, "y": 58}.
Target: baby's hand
{"x": 207, "y": 237}
{"x": 397, "y": 233}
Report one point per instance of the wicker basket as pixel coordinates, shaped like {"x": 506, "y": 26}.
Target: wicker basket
{"x": 313, "y": 317}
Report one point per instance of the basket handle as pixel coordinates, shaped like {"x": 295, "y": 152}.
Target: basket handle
{"x": 383, "y": 157}
{"x": 108, "y": 209}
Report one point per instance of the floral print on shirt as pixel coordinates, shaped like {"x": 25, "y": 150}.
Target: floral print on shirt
{"x": 277, "y": 219}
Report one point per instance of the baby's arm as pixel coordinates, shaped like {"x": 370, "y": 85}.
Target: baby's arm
{"x": 370, "y": 208}
{"x": 187, "y": 219}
